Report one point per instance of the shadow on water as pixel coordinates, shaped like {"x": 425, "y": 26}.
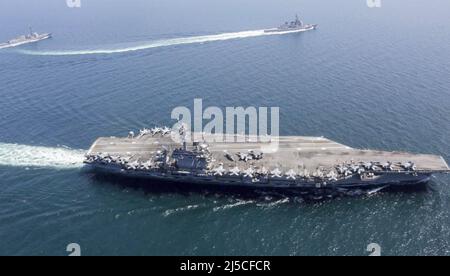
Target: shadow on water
{"x": 155, "y": 187}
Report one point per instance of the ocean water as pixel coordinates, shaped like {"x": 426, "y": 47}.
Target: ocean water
{"x": 368, "y": 78}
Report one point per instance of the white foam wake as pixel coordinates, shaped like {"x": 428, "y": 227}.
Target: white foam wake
{"x": 274, "y": 203}
{"x": 160, "y": 43}
{"x": 232, "y": 205}
{"x": 31, "y": 156}
{"x": 180, "y": 209}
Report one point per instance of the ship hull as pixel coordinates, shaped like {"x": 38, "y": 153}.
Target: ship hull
{"x": 391, "y": 180}
{"x": 11, "y": 45}
{"x": 293, "y": 30}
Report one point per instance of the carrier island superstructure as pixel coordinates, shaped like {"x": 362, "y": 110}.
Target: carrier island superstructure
{"x": 301, "y": 163}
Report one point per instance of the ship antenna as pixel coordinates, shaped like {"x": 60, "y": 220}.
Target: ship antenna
{"x": 31, "y": 30}
{"x": 182, "y": 132}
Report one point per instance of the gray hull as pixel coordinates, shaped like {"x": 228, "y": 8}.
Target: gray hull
{"x": 19, "y": 42}
{"x": 353, "y": 182}
{"x": 287, "y": 30}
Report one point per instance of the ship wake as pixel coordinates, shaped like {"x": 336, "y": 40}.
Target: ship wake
{"x": 159, "y": 43}
{"x": 15, "y": 155}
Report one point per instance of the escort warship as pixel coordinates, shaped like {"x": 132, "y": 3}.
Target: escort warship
{"x": 298, "y": 163}
{"x": 25, "y": 39}
{"x": 296, "y": 25}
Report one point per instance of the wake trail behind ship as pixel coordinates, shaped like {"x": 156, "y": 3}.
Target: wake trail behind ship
{"x": 159, "y": 43}
{"x": 36, "y": 156}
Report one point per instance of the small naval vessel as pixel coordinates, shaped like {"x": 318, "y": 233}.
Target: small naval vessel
{"x": 300, "y": 163}
{"x": 296, "y": 25}
{"x": 25, "y": 39}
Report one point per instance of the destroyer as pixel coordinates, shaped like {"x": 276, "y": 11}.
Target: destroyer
{"x": 296, "y": 26}
{"x": 25, "y": 39}
{"x": 300, "y": 163}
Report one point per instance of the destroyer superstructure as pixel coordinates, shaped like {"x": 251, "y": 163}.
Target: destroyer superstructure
{"x": 309, "y": 163}
{"x": 25, "y": 39}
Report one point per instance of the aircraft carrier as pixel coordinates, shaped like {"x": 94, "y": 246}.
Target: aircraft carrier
{"x": 299, "y": 163}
